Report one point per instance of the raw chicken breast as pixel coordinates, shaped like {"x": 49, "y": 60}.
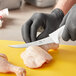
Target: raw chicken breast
{"x": 49, "y": 46}
{"x": 6, "y": 67}
{"x": 35, "y": 57}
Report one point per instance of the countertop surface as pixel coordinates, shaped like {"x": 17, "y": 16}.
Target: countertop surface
{"x": 63, "y": 63}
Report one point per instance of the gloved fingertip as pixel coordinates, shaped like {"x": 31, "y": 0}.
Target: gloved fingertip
{"x": 65, "y": 35}
{"x": 65, "y": 38}
{"x": 73, "y": 39}
{"x": 38, "y": 38}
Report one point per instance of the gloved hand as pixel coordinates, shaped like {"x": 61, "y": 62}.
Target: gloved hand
{"x": 50, "y": 22}
{"x": 69, "y": 21}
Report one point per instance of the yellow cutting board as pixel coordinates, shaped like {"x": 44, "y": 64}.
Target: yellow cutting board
{"x": 63, "y": 64}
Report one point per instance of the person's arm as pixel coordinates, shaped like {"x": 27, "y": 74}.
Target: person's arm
{"x": 65, "y": 5}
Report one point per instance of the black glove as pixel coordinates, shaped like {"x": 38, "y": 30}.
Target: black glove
{"x": 50, "y": 22}
{"x": 69, "y": 21}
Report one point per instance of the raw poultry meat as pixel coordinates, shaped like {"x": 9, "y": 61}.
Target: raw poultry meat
{"x": 35, "y": 57}
{"x": 6, "y": 67}
{"x": 46, "y": 47}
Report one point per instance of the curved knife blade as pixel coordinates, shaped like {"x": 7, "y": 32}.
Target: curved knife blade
{"x": 39, "y": 42}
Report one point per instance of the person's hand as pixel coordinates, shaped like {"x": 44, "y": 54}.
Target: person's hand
{"x": 50, "y": 22}
{"x": 69, "y": 21}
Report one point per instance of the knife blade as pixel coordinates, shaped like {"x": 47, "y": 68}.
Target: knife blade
{"x": 39, "y": 42}
{"x": 53, "y": 38}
